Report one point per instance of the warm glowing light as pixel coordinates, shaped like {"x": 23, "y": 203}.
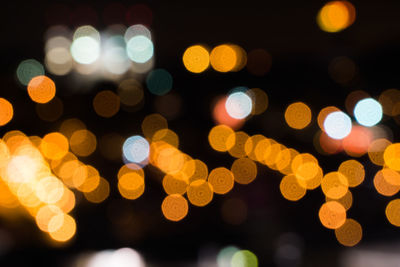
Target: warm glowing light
{"x": 388, "y": 99}
{"x": 99, "y": 194}
{"x": 69, "y": 126}
{"x": 200, "y": 193}
{"x": 239, "y": 139}
{"x": 196, "y": 58}
{"x": 174, "y": 207}
{"x": 106, "y": 104}
{"x": 291, "y": 189}
{"x": 244, "y": 170}
{"x": 54, "y": 146}
{"x": 140, "y": 49}
{"x": 323, "y": 114}
{"x": 337, "y": 125}
{"x": 393, "y": 212}
{"x": 6, "y": 111}
{"x": 346, "y": 200}
{"x": 334, "y": 185}
{"x": 357, "y": 142}
{"x": 336, "y": 16}
{"x": 239, "y": 105}
{"x": 387, "y": 182}
{"x": 376, "y": 150}
{"x": 354, "y": 172}
{"x": 131, "y": 185}
{"x": 349, "y": 234}
{"x": 166, "y": 135}
{"x": 221, "y": 179}
{"x": 41, "y": 89}
{"x": 298, "y": 115}
{"x": 332, "y": 215}
{"x": 130, "y": 92}
{"x": 223, "y": 58}
{"x": 200, "y": 171}
{"x": 392, "y": 156}
{"x": 159, "y": 81}
{"x": 66, "y": 230}
{"x": 136, "y": 149}
{"x": 368, "y": 112}
{"x": 83, "y": 143}
{"x": 218, "y": 138}
{"x": 176, "y": 184}
{"x": 153, "y": 123}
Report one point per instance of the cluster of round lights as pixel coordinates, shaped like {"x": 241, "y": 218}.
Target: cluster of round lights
{"x": 226, "y": 58}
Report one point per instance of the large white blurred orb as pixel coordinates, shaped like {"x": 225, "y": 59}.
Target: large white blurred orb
{"x": 136, "y": 149}
{"x": 140, "y": 49}
{"x": 85, "y": 50}
{"x": 126, "y": 257}
{"x": 368, "y": 112}
{"x": 337, "y": 125}
{"x": 238, "y": 105}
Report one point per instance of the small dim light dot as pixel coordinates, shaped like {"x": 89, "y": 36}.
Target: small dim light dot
{"x": 159, "y": 81}
{"x": 41, "y": 89}
{"x": 83, "y": 143}
{"x": 106, "y": 103}
{"x": 337, "y": 125}
{"x": 6, "y": 111}
{"x": 196, "y": 59}
{"x": 349, "y": 234}
{"x": 153, "y": 123}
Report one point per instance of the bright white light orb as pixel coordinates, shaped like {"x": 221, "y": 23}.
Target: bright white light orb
{"x": 238, "y": 105}
{"x": 368, "y": 112}
{"x": 140, "y": 49}
{"x": 136, "y": 149}
{"x": 126, "y": 257}
{"x": 85, "y": 50}
{"x": 337, "y": 125}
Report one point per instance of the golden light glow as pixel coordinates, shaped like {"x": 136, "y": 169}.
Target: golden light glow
{"x": 244, "y": 170}
{"x": 83, "y": 143}
{"x": 251, "y": 144}
{"x": 388, "y": 99}
{"x": 346, "y": 200}
{"x": 41, "y": 89}
{"x": 223, "y": 58}
{"x": 6, "y": 111}
{"x": 221, "y": 179}
{"x": 196, "y": 58}
{"x": 67, "y": 229}
{"x": 349, "y": 234}
{"x": 376, "y": 150}
{"x": 54, "y": 146}
{"x": 101, "y": 192}
{"x": 200, "y": 171}
{"x": 291, "y": 189}
{"x": 393, "y": 212}
{"x": 166, "y": 135}
{"x": 106, "y": 103}
{"x": 153, "y": 123}
{"x": 176, "y": 184}
{"x": 131, "y": 185}
{"x": 69, "y": 126}
{"x": 387, "y": 182}
{"x": 334, "y": 185}
{"x": 298, "y": 115}
{"x": 219, "y": 137}
{"x": 174, "y": 207}
{"x": 200, "y": 193}
{"x": 335, "y": 16}
{"x": 332, "y": 215}
{"x": 238, "y": 149}
{"x": 354, "y": 172}
{"x": 392, "y": 156}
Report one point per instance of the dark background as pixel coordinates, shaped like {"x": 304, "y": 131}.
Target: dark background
{"x": 300, "y": 53}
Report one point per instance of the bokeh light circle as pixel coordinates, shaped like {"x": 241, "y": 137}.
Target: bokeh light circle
{"x": 368, "y": 112}
{"x": 239, "y": 105}
{"x": 337, "y": 125}
{"x": 136, "y": 149}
